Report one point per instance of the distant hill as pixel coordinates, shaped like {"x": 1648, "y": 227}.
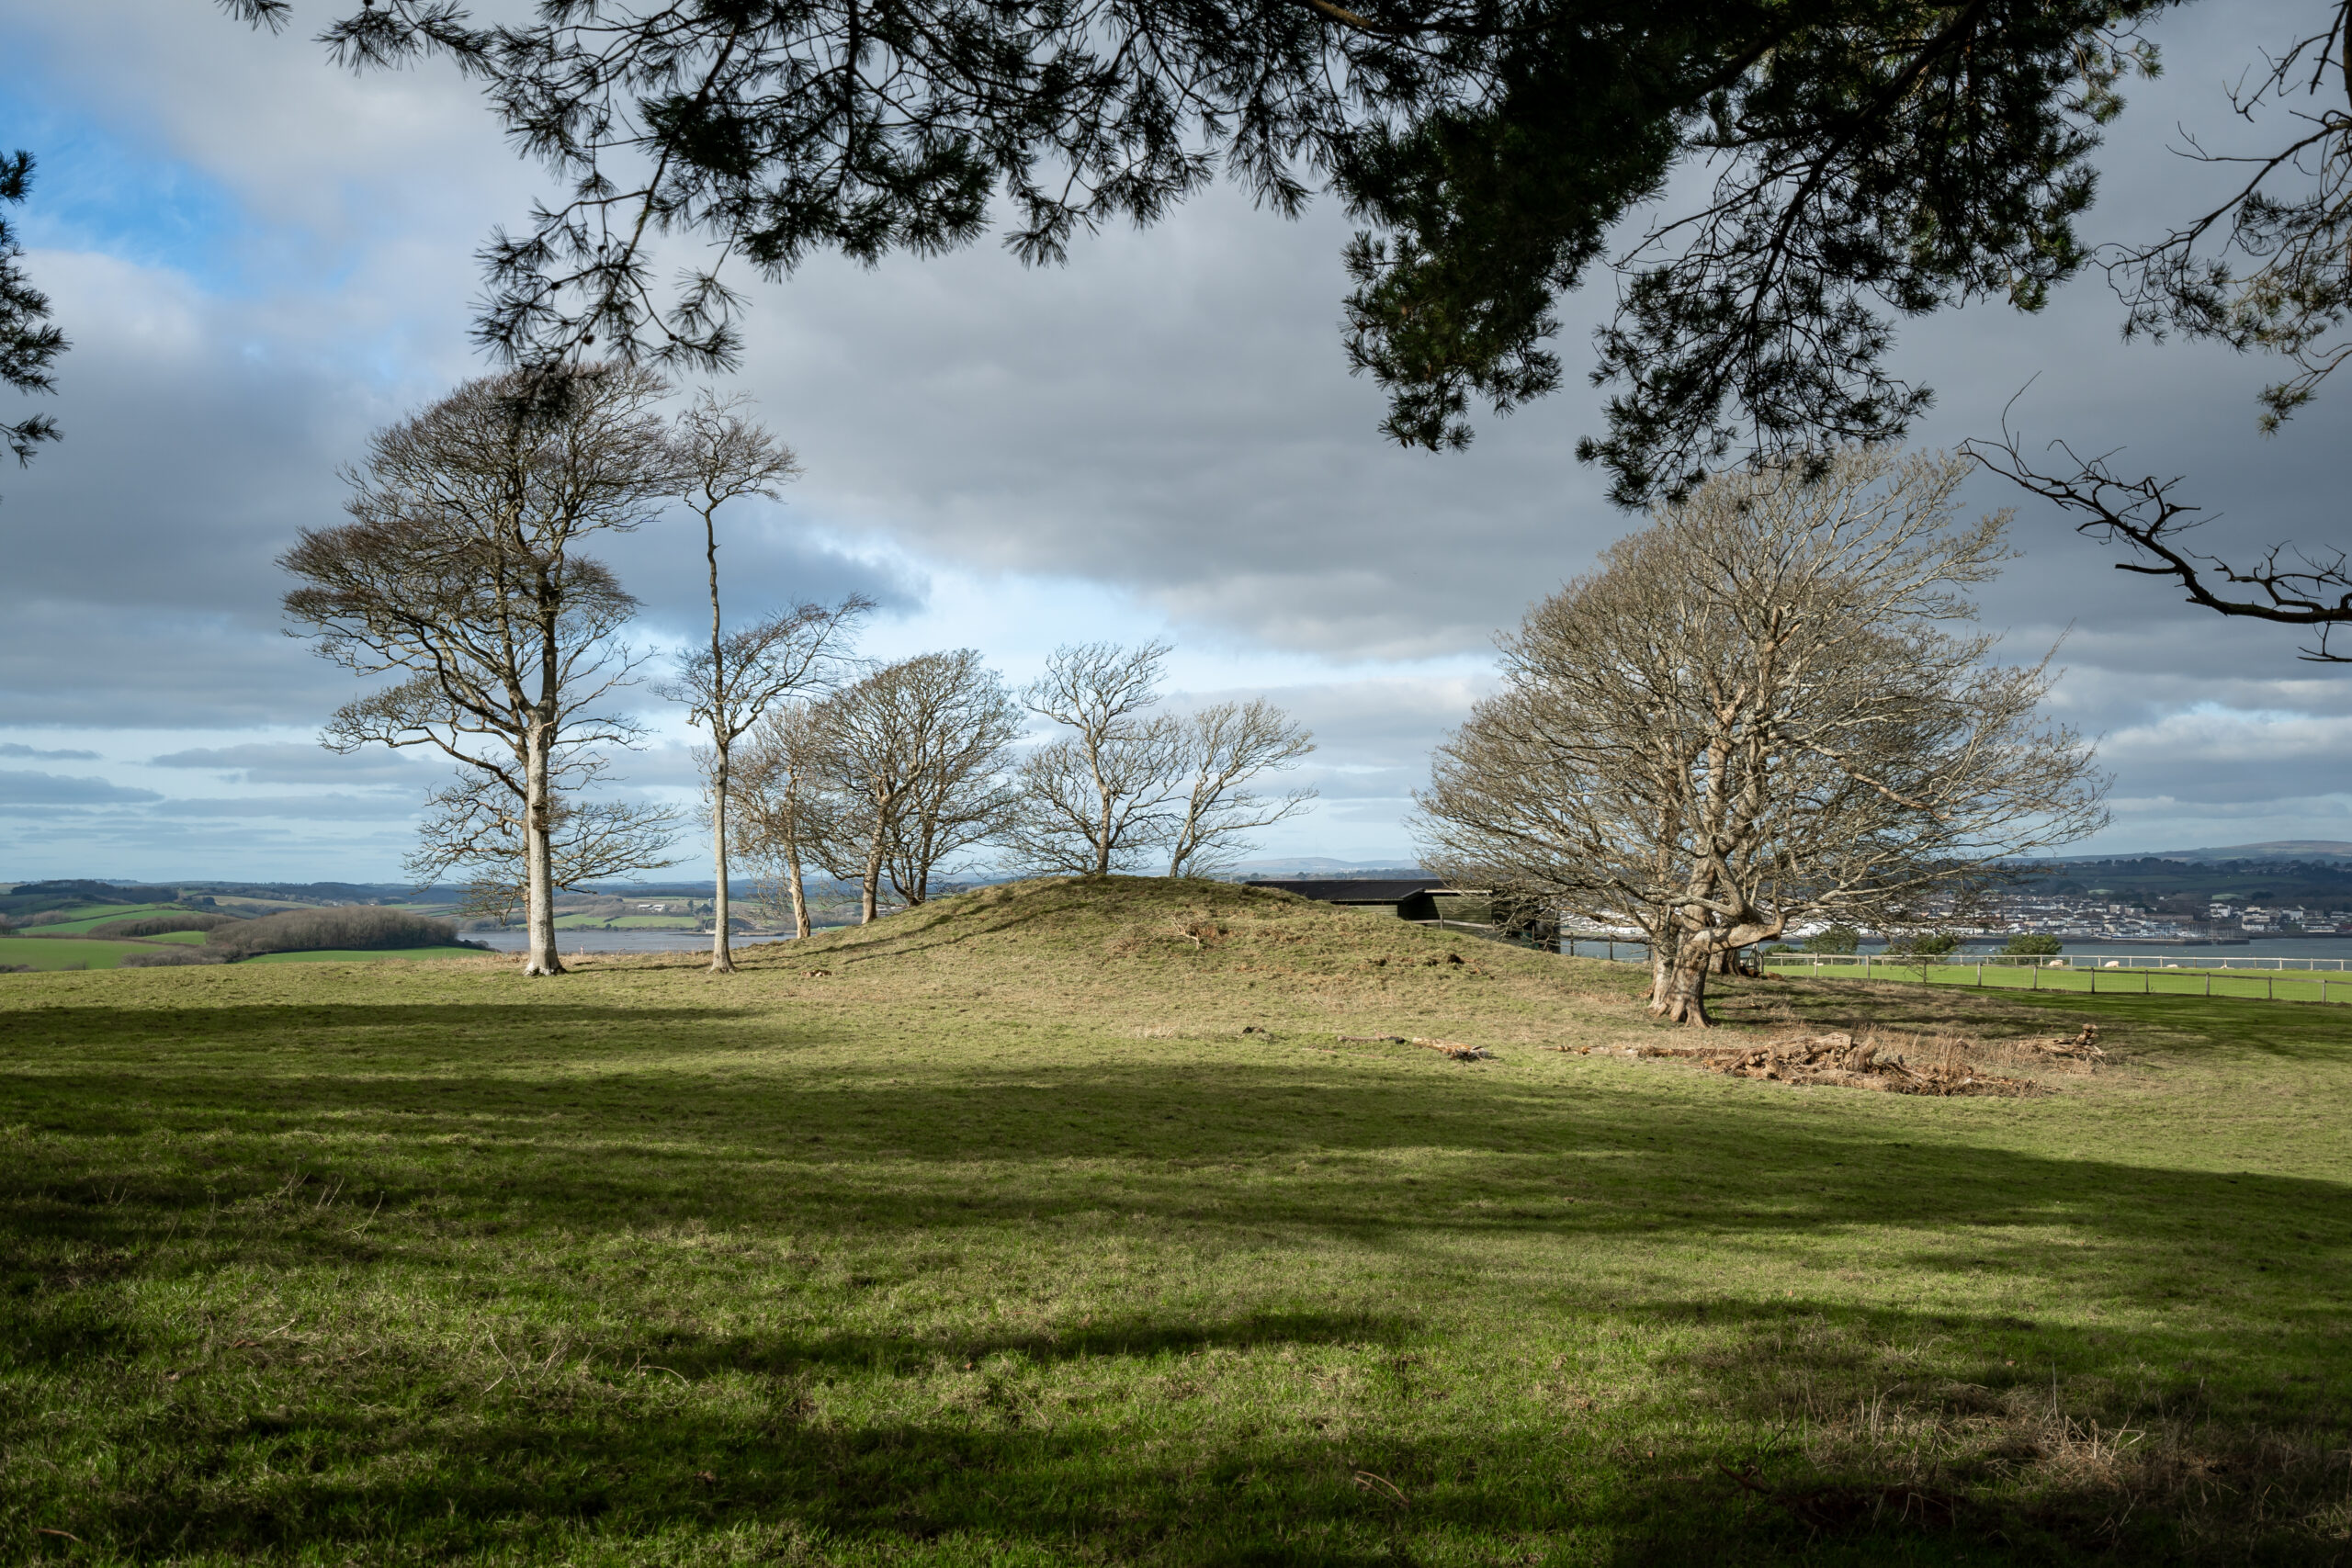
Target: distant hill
{"x": 1320, "y": 866}
{"x": 2308, "y": 849}
{"x": 2273, "y": 848}
{"x": 25, "y": 898}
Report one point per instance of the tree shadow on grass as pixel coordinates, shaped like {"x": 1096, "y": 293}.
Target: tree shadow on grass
{"x": 1386, "y": 1155}
{"x": 559, "y": 1464}
{"x": 912, "y": 1179}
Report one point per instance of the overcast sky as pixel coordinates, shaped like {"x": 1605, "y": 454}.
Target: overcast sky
{"x": 259, "y": 260}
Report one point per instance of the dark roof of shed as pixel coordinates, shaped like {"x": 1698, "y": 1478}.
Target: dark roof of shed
{"x": 1354, "y": 890}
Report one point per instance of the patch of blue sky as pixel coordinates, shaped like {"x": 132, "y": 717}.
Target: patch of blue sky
{"x": 96, "y": 189}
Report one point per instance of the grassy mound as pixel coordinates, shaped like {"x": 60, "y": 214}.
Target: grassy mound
{"x": 1076, "y": 1223}
{"x": 1152, "y": 958}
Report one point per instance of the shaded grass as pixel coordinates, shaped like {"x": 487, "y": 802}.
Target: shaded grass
{"x": 987, "y": 1234}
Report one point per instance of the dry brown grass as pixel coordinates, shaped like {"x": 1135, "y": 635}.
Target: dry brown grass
{"x": 1963, "y": 1454}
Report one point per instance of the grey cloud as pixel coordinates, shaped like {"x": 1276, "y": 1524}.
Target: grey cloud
{"x": 290, "y": 762}
{"x": 1168, "y": 416}
{"x": 2219, "y": 757}
{"x": 314, "y": 807}
{"x": 14, "y": 748}
{"x": 163, "y": 672}
{"x": 27, "y": 788}
{"x": 768, "y": 559}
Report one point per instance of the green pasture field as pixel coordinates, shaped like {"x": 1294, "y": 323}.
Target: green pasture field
{"x": 84, "y": 916}
{"x": 1108, "y": 1224}
{"x": 65, "y": 952}
{"x": 2267, "y": 985}
{"x": 362, "y": 954}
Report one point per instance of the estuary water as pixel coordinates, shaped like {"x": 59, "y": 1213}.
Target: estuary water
{"x": 511, "y": 940}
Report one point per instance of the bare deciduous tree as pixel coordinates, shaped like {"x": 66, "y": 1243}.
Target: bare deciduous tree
{"x": 728, "y": 686}
{"x": 785, "y": 819}
{"x": 1128, "y": 783}
{"x": 1759, "y": 714}
{"x": 462, "y": 571}
{"x": 2268, "y": 269}
{"x": 1225, "y": 746}
{"x": 1094, "y": 801}
{"x": 475, "y": 825}
{"x": 2286, "y": 586}
{"x": 916, "y": 751}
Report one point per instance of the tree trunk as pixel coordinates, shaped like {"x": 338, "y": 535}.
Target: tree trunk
{"x": 1685, "y": 984}
{"x": 1102, "y": 827}
{"x": 722, "y": 960}
{"x": 799, "y": 893}
{"x": 539, "y": 857}
{"x": 869, "y": 889}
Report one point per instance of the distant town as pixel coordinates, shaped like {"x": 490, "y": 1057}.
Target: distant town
{"x": 2089, "y": 916}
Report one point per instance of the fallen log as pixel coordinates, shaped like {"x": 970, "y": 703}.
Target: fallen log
{"x": 1455, "y": 1049}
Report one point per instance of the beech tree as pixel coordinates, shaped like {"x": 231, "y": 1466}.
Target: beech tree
{"x": 1126, "y": 784}
{"x": 474, "y": 825}
{"x": 30, "y": 344}
{"x": 728, "y": 686}
{"x": 1764, "y": 710}
{"x": 914, "y": 755}
{"x": 1224, "y": 747}
{"x": 786, "y": 821}
{"x": 1092, "y": 802}
{"x": 462, "y": 571}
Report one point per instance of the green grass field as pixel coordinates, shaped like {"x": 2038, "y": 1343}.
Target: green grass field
{"x": 2088, "y": 977}
{"x": 83, "y": 917}
{"x": 65, "y": 952}
{"x": 1052, "y": 1225}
